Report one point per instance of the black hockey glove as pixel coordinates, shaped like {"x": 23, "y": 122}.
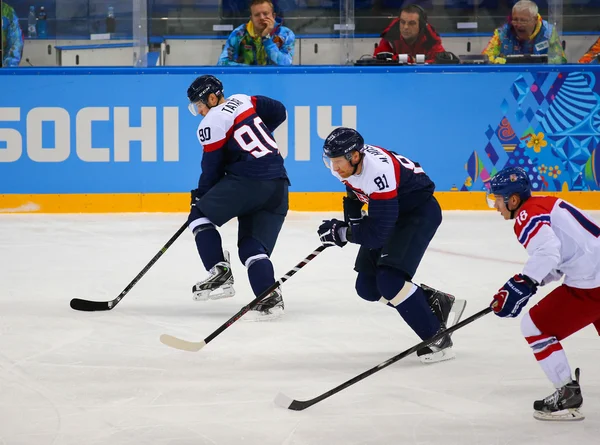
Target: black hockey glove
{"x": 352, "y": 208}
{"x": 332, "y": 232}
{"x": 195, "y": 197}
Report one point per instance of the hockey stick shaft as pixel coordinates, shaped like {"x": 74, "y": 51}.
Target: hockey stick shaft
{"x": 196, "y": 346}
{"x": 265, "y": 293}
{"x": 87, "y": 305}
{"x": 299, "y": 405}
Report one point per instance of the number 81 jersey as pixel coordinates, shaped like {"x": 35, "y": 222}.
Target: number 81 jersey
{"x": 387, "y": 175}
{"x": 236, "y": 140}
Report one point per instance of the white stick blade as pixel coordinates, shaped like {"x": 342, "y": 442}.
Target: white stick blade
{"x": 181, "y": 344}
{"x": 283, "y": 401}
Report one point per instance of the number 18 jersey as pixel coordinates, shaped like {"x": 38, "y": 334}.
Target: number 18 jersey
{"x": 559, "y": 236}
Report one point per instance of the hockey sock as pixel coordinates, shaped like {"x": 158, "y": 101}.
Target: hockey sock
{"x": 409, "y": 300}
{"x": 261, "y": 274}
{"x": 260, "y": 269}
{"x": 548, "y": 352}
{"x": 209, "y": 245}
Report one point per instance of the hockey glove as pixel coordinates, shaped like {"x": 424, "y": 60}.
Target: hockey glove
{"x": 332, "y": 232}
{"x": 195, "y": 195}
{"x": 352, "y": 208}
{"x": 513, "y": 296}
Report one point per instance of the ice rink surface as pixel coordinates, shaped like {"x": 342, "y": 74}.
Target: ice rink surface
{"x": 77, "y": 378}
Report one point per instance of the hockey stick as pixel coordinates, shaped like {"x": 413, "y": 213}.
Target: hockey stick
{"x": 91, "y": 306}
{"x": 298, "y": 405}
{"x": 192, "y": 346}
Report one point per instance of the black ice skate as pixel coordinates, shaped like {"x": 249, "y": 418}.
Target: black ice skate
{"x": 563, "y": 405}
{"x": 443, "y": 306}
{"x": 268, "y": 308}
{"x": 437, "y": 351}
{"x": 218, "y": 285}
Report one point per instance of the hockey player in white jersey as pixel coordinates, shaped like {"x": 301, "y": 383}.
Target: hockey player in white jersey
{"x": 242, "y": 177}
{"x": 403, "y": 218}
{"x": 563, "y": 243}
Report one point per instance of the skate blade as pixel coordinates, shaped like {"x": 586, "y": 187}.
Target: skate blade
{"x": 217, "y": 294}
{"x": 568, "y": 415}
{"x": 273, "y": 314}
{"x": 456, "y": 312}
{"x": 439, "y": 356}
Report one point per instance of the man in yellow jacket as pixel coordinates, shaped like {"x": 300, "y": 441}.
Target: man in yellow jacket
{"x": 525, "y": 33}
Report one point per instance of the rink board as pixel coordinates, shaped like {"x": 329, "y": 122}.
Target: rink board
{"x": 77, "y": 143}
{"x": 179, "y": 202}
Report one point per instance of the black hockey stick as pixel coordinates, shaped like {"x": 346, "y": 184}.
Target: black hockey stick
{"x": 195, "y": 346}
{"x": 299, "y": 405}
{"x": 91, "y": 306}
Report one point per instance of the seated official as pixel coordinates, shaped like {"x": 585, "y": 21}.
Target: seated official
{"x": 525, "y": 33}
{"x": 411, "y": 34}
{"x": 591, "y": 56}
{"x": 261, "y": 41}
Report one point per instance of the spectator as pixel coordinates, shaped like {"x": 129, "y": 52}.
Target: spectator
{"x": 591, "y": 55}
{"x": 12, "y": 38}
{"x": 411, "y": 34}
{"x": 525, "y": 33}
{"x": 261, "y": 41}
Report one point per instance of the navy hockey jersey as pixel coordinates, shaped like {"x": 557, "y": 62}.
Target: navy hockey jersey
{"x": 237, "y": 138}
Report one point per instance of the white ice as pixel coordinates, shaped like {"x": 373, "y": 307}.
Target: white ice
{"x": 69, "y": 377}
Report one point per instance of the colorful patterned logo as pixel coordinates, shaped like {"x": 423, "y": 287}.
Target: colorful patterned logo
{"x": 551, "y": 128}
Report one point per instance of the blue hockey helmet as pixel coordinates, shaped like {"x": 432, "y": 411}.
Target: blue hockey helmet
{"x": 201, "y": 89}
{"x": 507, "y": 182}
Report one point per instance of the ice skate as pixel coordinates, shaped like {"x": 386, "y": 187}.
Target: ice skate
{"x": 563, "y": 405}
{"x": 438, "y": 351}
{"x": 447, "y": 308}
{"x": 448, "y": 311}
{"x": 219, "y": 283}
{"x": 269, "y": 308}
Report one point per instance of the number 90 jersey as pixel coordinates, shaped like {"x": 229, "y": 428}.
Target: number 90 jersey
{"x": 387, "y": 175}
{"x": 237, "y": 138}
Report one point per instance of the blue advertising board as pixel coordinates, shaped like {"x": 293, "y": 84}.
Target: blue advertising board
{"x": 104, "y": 131}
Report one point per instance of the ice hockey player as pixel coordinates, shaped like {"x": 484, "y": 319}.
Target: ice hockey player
{"x": 242, "y": 176}
{"x": 402, "y": 219}
{"x": 562, "y": 241}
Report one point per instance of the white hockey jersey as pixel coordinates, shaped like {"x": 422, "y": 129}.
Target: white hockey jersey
{"x": 388, "y": 175}
{"x": 560, "y": 239}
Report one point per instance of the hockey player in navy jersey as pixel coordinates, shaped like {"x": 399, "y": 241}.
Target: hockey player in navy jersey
{"x": 242, "y": 176}
{"x": 403, "y": 218}
{"x": 562, "y": 241}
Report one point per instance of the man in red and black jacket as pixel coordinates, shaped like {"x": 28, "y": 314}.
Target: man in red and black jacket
{"x": 411, "y": 34}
